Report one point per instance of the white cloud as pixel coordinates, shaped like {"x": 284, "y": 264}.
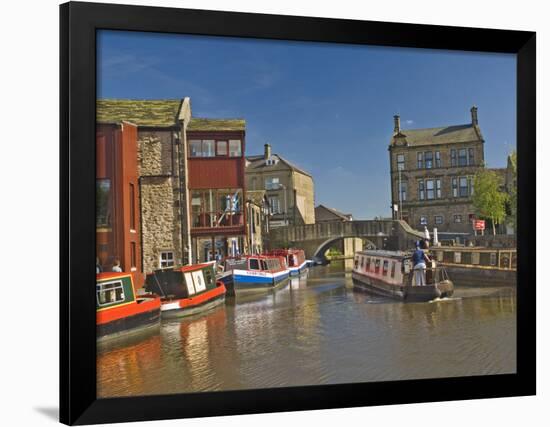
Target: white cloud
{"x": 409, "y": 121}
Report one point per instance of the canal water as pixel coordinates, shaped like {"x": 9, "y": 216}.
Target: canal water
{"x": 317, "y": 330}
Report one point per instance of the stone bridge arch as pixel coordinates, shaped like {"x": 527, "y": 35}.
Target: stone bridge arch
{"x": 366, "y": 243}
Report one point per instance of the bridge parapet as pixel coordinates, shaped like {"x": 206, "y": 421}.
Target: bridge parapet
{"x": 391, "y": 234}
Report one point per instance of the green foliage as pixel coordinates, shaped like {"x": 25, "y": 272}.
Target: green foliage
{"x": 489, "y": 199}
{"x": 513, "y": 188}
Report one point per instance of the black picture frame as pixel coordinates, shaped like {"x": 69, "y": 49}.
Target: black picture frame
{"x": 78, "y": 25}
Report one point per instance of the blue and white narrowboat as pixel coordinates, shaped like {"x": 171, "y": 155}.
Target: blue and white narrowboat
{"x": 253, "y": 273}
{"x": 295, "y": 260}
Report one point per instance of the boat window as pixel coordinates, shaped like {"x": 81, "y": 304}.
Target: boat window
{"x": 356, "y": 263}
{"x": 505, "y": 260}
{"x": 457, "y": 257}
{"x": 110, "y": 292}
{"x": 514, "y": 260}
{"x": 385, "y": 268}
{"x": 377, "y": 265}
{"x": 439, "y": 255}
{"x": 475, "y": 258}
{"x": 264, "y": 265}
{"x": 368, "y": 264}
{"x": 254, "y": 264}
{"x": 393, "y": 269}
{"x": 493, "y": 258}
{"x": 208, "y": 277}
{"x": 362, "y": 262}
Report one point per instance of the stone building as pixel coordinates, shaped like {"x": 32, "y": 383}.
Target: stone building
{"x": 289, "y": 189}
{"x": 258, "y": 215}
{"x": 325, "y": 214}
{"x": 163, "y": 179}
{"x": 217, "y": 186}
{"x": 432, "y": 174}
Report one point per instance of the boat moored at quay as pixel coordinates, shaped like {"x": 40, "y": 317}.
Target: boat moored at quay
{"x": 186, "y": 291}
{"x": 391, "y": 274}
{"x": 478, "y": 266}
{"x": 295, "y": 260}
{"x": 119, "y": 311}
{"x": 250, "y": 273}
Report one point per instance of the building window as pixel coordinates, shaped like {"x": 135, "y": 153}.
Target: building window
{"x": 419, "y": 160}
{"x": 221, "y": 148}
{"x": 471, "y": 156}
{"x": 403, "y": 191}
{"x": 423, "y": 220}
{"x": 272, "y": 183}
{"x": 453, "y": 157}
{"x": 166, "y": 259}
{"x": 208, "y": 148}
{"x": 103, "y": 196}
{"x": 438, "y": 188}
{"x": 428, "y": 159}
{"x": 216, "y": 207}
{"x": 454, "y": 184}
{"x": 133, "y": 256}
{"x": 132, "y": 207}
{"x": 274, "y": 205}
{"x": 462, "y": 157}
{"x": 471, "y": 185}
{"x": 457, "y": 218}
{"x": 195, "y": 149}
{"x": 430, "y": 194}
{"x": 438, "y": 219}
{"x": 421, "y": 190}
{"x": 463, "y": 186}
{"x": 235, "y": 148}
{"x": 437, "y": 159}
{"x": 400, "y": 162}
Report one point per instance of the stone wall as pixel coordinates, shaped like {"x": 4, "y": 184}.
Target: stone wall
{"x": 159, "y": 221}
{"x": 155, "y": 153}
{"x": 305, "y": 197}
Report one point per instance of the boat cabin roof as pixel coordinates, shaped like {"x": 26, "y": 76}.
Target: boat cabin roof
{"x": 384, "y": 254}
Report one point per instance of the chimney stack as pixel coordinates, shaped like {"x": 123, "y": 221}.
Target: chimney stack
{"x": 267, "y": 151}
{"x": 473, "y": 110}
{"x": 396, "y": 124}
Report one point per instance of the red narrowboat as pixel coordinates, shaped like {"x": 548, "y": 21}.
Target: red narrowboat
{"x": 186, "y": 291}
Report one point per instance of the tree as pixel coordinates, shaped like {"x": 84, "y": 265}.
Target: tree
{"x": 489, "y": 199}
{"x": 513, "y": 187}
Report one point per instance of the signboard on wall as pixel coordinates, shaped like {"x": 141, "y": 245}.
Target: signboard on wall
{"x": 479, "y": 224}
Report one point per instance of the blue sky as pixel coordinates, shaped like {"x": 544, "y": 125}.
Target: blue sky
{"x": 327, "y": 107}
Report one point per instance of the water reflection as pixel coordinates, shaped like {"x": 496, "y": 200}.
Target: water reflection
{"x": 317, "y": 330}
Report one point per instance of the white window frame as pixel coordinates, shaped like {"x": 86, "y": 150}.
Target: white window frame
{"x": 118, "y": 285}
{"x": 167, "y": 261}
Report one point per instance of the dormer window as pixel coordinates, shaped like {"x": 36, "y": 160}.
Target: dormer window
{"x": 271, "y": 161}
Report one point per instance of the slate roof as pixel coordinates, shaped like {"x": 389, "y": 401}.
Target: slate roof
{"x": 258, "y": 162}
{"x": 151, "y": 113}
{"x": 336, "y": 213}
{"x": 202, "y": 124}
{"x": 440, "y": 135}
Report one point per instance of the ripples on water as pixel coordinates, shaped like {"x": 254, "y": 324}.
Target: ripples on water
{"x": 317, "y": 330}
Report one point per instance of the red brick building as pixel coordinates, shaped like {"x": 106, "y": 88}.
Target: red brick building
{"x": 117, "y": 198}
{"x": 216, "y": 163}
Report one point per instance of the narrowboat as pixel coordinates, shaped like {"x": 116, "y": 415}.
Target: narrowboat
{"x": 478, "y": 266}
{"x": 391, "y": 274}
{"x": 186, "y": 291}
{"x": 295, "y": 260}
{"x": 119, "y": 311}
{"x": 253, "y": 273}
